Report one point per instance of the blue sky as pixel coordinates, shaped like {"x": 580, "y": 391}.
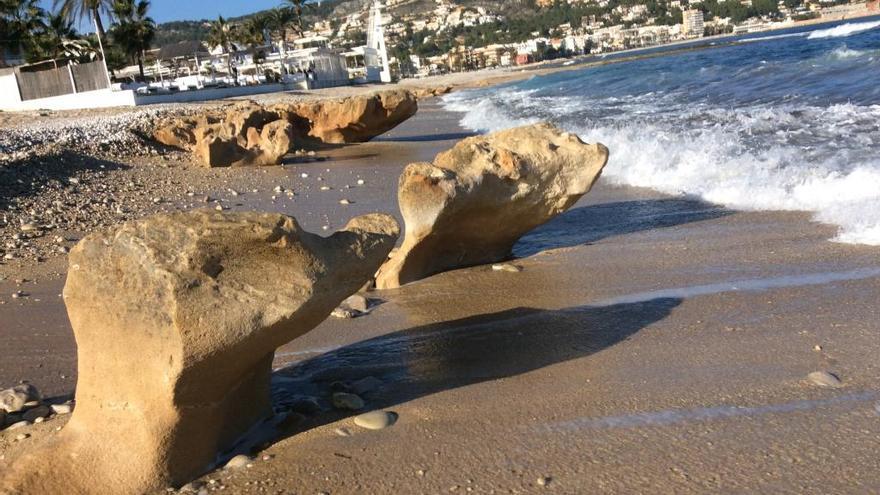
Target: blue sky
{"x": 175, "y": 10}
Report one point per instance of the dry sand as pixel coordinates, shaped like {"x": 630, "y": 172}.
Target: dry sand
{"x": 650, "y": 345}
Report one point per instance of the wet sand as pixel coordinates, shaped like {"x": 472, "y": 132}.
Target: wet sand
{"x": 650, "y": 344}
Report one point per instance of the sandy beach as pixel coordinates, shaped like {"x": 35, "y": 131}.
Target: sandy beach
{"x": 651, "y": 344}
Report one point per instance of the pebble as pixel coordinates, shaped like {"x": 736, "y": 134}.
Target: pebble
{"x": 343, "y": 400}
{"x": 22, "y": 436}
{"x": 360, "y": 182}
{"x": 342, "y": 432}
{"x": 376, "y": 420}
{"x": 325, "y": 188}
{"x": 506, "y": 267}
{"x": 304, "y": 175}
{"x": 825, "y": 379}
{"x": 817, "y": 348}
{"x": 544, "y": 481}
{"x": 19, "y": 397}
{"x": 238, "y": 462}
{"x": 62, "y": 408}
{"x": 344, "y": 202}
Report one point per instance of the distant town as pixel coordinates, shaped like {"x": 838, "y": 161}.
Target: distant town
{"x": 340, "y": 42}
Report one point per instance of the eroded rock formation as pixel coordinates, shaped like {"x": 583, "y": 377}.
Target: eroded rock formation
{"x": 251, "y": 134}
{"x": 474, "y": 201}
{"x": 355, "y": 119}
{"x": 177, "y": 318}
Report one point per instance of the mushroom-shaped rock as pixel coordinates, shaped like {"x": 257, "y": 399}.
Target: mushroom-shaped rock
{"x": 357, "y": 118}
{"x": 176, "y": 319}
{"x": 472, "y": 204}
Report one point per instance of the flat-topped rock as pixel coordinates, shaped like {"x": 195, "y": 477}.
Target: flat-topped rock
{"x": 476, "y": 200}
{"x": 176, "y": 319}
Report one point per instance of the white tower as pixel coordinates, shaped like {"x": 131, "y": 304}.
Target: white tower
{"x": 376, "y": 41}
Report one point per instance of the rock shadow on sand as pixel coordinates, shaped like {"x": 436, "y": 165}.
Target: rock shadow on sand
{"x": 433, "y": 358}
{"x": 592, "y": 223}
{"x": 423, "y": 138}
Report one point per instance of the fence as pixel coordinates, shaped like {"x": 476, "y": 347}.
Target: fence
{"x": 61, "y": 80}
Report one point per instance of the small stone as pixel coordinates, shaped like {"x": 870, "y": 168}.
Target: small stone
{"x": 29, "y": 227}
{"x": 325, "y": 227}
{"x": 376, "y": 420}
{"x": 278, "y": 189}
{"x": 238, "y": 462}
{"x": 14, "y": 399}
{"x": 20, "y": 424}
{"x": 343, "y": 400}
{"x": 61, "y": 408}
{"x": 267, "y": 457}
{"x": 825, "y": 379}
{"x": 304, "y": 175}
{"x": 342, "y": 432}
{"x": 219, "y": 207}
{"x": 544, "y": 481}
{"x": 344, "y": 202}
{"x": 817, "y": 348}
{"x": 22, "y": 436}
{"x": 192, "y": 487}
{"x": 342, "y": 313}
{"x": 506, "y": 267}
{"x": 420, "y": 472}
{"x": 360, "y": 182}
{"x": 311, "y": 153}
{"x": 325, "y": 188}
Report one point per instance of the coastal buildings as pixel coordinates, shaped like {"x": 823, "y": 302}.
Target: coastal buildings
{"x": 692, "y": 23}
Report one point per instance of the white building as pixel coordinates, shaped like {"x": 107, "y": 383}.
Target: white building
{"x": 692, "y": 23}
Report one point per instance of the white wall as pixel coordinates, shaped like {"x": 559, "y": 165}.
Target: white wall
{"x": 89, "y": 99}
{"x": 9, "y": 95}
{"x": 210, "y": 94}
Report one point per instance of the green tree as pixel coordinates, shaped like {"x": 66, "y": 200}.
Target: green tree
{"x": 76, "y": 10}
{"x": 134, "y": 30}
{"x": 222, "y": 34}
{"x": 21, "y": 21}
{"x": 253, "y": 35}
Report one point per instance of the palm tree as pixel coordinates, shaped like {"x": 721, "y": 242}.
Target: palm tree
{"x": 57, "y": 32}
{"x": 222, "y": 34}
{"x": 134, "y": 30}
{"x": 21, "y": 21}
{"x": 284, "y": 19}
{"x": 76, "y": 10}
{"x": 253, "y": 35}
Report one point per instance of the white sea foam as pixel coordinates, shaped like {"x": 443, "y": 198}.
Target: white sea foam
{"x": 842, "y": 53}
{"x": 799, "y": 167}
{"x": 843, "y": 30}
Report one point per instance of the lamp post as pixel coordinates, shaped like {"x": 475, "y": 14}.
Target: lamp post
{"x": 103, "y": 56}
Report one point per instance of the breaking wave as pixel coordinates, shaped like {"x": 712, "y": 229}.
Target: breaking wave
{"x": 843, "y": 30}
{"x": 745, "y": 143}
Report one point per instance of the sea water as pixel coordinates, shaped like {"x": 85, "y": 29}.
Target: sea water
{"x": 781, "y": 121}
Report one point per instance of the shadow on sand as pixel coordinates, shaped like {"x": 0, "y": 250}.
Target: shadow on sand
{"x": 596, "y": 222}
{"x": 429, "y": 359}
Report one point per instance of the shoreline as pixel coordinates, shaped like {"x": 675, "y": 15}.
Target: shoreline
{"x": 588, "y": 378}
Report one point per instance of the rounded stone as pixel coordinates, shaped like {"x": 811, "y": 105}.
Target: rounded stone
{"x": 825, "y": 379}
{"x": 238, "y": 462}
{"x": 376, "y": 420}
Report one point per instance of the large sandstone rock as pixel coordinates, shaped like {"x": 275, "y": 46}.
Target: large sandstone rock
{"x": 355, "y": 119}
{"x": 472, "y": 204}
{"x": 176, "y": 319}
{"x": 250, "y": 134}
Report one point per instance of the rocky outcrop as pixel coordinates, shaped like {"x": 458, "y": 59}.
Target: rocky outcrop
{"x": 355, "y": 119}
{"x": 430, "y": 92}
{"x": 251, "y": 134}
{"x": 176, "y": 319}
{"x": 472, "y": 204}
